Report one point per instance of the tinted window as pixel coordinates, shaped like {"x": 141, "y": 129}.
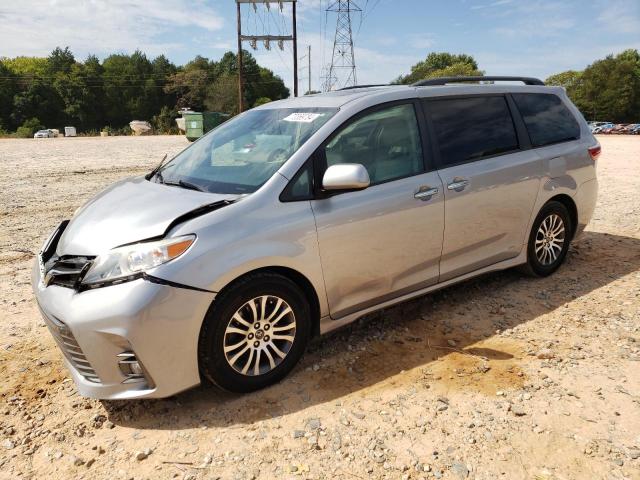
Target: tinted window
{"x": 386, "y": 142}
{"x": 471, "y": 128}
{"x": 547, "y": 119}
{"x": 301, "y": 187}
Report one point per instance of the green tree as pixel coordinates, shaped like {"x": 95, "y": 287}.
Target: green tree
{"x": 608, "y": 89}
{"x": 262, "y": 101}
{"x": 60, "y": 61}
{"x": 28, "y": 128}
{"x": 8, "y": 88}
{"x": 222, "y": 95}
{"x": 441, "y": 64}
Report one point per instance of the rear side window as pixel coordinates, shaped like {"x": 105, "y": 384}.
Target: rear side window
{"x": 547, "y": 118}
{"x": 471, "y": 128}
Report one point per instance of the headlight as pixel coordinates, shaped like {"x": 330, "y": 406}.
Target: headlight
{"x": 126, "y": 263}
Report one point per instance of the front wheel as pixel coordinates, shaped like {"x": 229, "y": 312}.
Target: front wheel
{"x": 255, "y": 332}
{"x": 549, "y": 240}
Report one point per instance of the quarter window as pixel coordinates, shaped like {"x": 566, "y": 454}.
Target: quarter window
{"x": 386, "y": 142}
{"x": 547, "y": 119}
{"x": 471, "y": 128}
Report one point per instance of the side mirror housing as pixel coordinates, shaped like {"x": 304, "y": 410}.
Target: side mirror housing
{"x": 346, "y": 176}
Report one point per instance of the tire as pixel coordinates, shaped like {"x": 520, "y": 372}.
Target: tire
{"x": 550, "y": 255}
{"x": 231, "y": 324}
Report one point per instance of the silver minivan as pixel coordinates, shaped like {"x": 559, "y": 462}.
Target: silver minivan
{"x": 299, "y": 216}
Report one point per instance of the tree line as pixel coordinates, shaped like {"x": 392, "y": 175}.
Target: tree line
{"x": 94, "y": 95}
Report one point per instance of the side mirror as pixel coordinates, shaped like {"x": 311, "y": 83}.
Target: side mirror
{"x": 346, "y": 176}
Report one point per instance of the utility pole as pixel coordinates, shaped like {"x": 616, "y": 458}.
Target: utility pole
{"x": 266, "y": 39}
{"x": 307, "y": 57}
{"x": 309, "y": 66}
{"x": 342, "y": 71}
{"x": 240, "y": 79}
{"x": 295, "y": 51}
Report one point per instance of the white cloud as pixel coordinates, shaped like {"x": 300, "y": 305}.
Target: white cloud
{"x": 621, "y": 16}
{"x": 420, "y": 41}
{"x": 32, "y": 27}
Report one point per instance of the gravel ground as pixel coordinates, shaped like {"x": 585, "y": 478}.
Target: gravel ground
{"x": 500, "y": 377}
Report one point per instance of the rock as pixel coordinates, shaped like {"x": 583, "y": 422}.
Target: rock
{"x": 313, "y": 424}
{"x": 90, "y": 462}
{"x": 545, "y": 354}
{"x": 109, "y": 424}
{"x": 8, "y": 444}
{"x": 139, "y": 456}
{"x": 298, "y": 433}
{"x": 441, "y": 406}
{"x": 460, "y": 470}
{"x": 77, "y": 461}
{"x": 518, "y": 411}
{"x": 634, "y": 454}
{"x": 451, "y": 343}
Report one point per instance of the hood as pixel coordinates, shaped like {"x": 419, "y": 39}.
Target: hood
{"x": 129, "y": 211}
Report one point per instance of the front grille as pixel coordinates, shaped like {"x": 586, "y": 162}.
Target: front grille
{"x": 70, "y": 348}
{"x": 66, "y": 271}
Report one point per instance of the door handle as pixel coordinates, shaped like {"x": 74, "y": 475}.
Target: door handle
{"x": 425, "y": 193}
{"x": 458, "y": 184}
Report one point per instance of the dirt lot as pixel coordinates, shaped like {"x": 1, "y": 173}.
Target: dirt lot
{"x": 500, "y": 377}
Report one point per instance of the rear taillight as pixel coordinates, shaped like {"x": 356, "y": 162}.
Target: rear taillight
{"x": 595, "y": 152}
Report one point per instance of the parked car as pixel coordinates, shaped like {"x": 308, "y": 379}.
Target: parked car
{"x": 635, "y": 130}
{"x": 297, "y": 217}
{"x": 44, "y": 134}
{"x": 618, "y": 129}
{"x": 603, "y": 126}
{"x": 627, "y": 129}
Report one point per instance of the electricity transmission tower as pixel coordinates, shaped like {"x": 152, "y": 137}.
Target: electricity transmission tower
{"x": 342, "y": 71}
{"x": 266, "y": 40}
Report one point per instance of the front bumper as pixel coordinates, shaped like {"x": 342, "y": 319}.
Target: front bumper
{"x": 159, "y": 323}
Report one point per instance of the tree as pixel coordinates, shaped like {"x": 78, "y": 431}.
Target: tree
{"x": 60, "y": 61}
{"x": 261, "y": 101}
{"x": 8, "y": 88}
{"x": 608, "y": 89}
{"x": 189, "y": 84}
{"x": 570, "y": 79}
{"x": 59, "y": 90}
{"x": 222, "y": 95}
{"x": 441, "y": 64}
{"x": 28, "y": 128}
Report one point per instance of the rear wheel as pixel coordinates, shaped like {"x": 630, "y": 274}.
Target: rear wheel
{"x": 255, "y": 332}
{"x": 549, "y": 240}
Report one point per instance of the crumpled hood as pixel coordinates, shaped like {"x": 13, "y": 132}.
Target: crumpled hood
{"x": 130, "y": 210}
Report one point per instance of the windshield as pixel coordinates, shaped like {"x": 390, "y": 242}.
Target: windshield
{"x": 243, "y": 153}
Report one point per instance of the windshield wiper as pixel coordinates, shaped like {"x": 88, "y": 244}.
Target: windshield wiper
{"x": 183, "y": 184}
{"x": 157, "y": 169}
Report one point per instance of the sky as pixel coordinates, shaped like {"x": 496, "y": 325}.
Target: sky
{"x": 506, "y": 37}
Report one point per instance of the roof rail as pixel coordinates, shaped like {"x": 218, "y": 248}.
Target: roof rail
{"x": 445, "y": 80}
{"x": 364, "y": 86}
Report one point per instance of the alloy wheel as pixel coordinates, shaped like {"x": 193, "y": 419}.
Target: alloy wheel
{"x": 259, "y": 335}
{"x": 550, "y": 239}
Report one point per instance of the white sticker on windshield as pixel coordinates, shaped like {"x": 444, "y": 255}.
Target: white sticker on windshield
{"x": 302, "y": 117}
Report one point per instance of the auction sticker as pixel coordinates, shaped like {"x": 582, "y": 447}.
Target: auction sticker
{"x": 302, "y": 117}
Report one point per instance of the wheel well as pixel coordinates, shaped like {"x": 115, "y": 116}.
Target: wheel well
{"x": 568, "y": 202}
{"x": 301, "y": 281}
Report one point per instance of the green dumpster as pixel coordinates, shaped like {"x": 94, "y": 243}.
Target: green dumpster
{"x": 197, "y": 124}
